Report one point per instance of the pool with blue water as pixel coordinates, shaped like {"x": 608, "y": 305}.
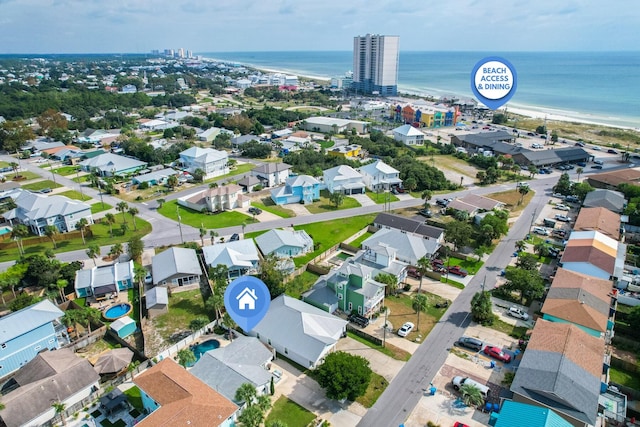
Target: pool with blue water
{"x": 203, "y": 347}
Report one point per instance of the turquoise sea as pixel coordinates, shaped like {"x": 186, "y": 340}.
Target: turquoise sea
{"x": 602, "y": 87}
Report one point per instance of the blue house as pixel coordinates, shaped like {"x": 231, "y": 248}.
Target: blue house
{"x": 297, "y": 189}
{"x": 103, "y": 281}
{"x": 27, "y": 332}
{"x": 285, "y": 243}
{"x": 514, "y": 413}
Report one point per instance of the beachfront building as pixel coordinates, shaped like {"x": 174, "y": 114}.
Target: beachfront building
{"x": 424, "y": 115}
{"x": 375, "y": 64}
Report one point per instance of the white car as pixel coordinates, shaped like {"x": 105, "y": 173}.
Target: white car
{"x": 517, "y": 313}
{"x": 562, "y": 207}
{"x": 596, "y": 148}
{"x": 562, "y": 218}
{"x": 405, "y": 329}
{"x": 541, "y": 231}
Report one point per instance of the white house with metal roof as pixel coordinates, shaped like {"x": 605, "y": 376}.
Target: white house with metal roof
{"x": 285, "y": 243}
{"x": 156, "y": 177}
{"x": 344, "y": 179}
{"x": 299, "y": 331}
{"x": 408, "y": 135}
{"x": 271, "y": 174}
{"x": 37, "y": 211}
{"x": 103, "y": 281}
{"x": 109, "y": 164}
{"x": 26, "y": 332}
{"x": 380, "y": 176}
{"x": 240, "y": 257}
{"x": 408, "y": 247}
{"x": 212, "y": 162}
{"x": 176, "y": 267}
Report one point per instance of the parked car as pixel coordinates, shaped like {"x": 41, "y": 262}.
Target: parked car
{"x": 361, "y": 321}
{"x": 459, "y": 424}
{"x": 254, "y": 211}
{"x": 413, "y": 272}
{"x": 406, "y": 329}
{"x": 234, "y": 237}
{"x": 541, "y": 231}
{"x": 581, "y": 164}
{"x": 559, "y": 233}
{"x": 596, "y": 167}
{"x": 562, "y": 218}
{"x": 612, "y": 151}
{"x": 148, "y": 279}
{"x": 45, "y": 191}
{"x": 596, "y": 148}
{"x": 562, "y": 207}
{"x": 554, "y": 252}
{"x": 497, "y": 353}
{"x": 517, "y": 313}
{"x": 442, "y": 202}
{"x": 470, "y": 343}
{"x": 458, "y": 271}
{"x": 536, "y": 145}
{"x": 426, "y": 213}
{"x": 459, "y": 381}
{"x": 579, "y": 144}
{"x": 572, "y": 199}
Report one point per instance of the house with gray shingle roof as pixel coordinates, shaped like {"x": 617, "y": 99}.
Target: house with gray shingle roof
{"x": 271, "y": 174}
{"x": 109, "y": 164}
{"x": 212, "y": 162}
{"x": 609, "y": 199}
{"x": 176, "y": 267}
{"x": 104, "y": 280}
{"x": 285, "y": 243}
{"x": 408, "y": 247}
{"x": 344, "y": 179}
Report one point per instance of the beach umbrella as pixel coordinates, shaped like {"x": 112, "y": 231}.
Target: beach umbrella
{"x": 114, "y": 361}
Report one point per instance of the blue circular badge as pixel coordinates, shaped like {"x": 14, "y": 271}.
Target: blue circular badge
{"x": 494, "y": 81}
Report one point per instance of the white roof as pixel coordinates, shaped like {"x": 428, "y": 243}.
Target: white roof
{"x": 241, "y": 253}
{"x": 340, "y": 173}
{"x": 302, "y": 181}
{"x": 156, "y": 296}
{"x": 121, "y": 323}
{"x": 378, "y": 167}
{"x": 108, "y": 162}
{"x": 156, "y": 175}
{"x": 174, "y": 261}
{"x": 330, "y": 121}
{"x": 35, "y": 206}
{"x": 273, "y": 240}
{"x": 204, "y": 154}
{"x": 29, "y": 318}
{"x": 406, "y": 245}
{"x": 407, "y": 130}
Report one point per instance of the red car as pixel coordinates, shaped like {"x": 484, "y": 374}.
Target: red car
{"x": 458, "y": 271}
{"x": 459, "y": 424}
{"x": 497, "y": 353}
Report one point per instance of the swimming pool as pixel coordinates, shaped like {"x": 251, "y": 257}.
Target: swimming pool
{"x": 118, "y": 311}
{"x": 203, "y": 347}
{"x": 5, "y": 230}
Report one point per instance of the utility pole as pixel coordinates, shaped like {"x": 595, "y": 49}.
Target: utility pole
{"x": 53, "y": 175}
{"x": 384, "y": 329}
{"x": 80, "y": 184}
{"x": 179, "y": 223}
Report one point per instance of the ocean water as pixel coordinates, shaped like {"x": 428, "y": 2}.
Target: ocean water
{"x": 601, "y": 87}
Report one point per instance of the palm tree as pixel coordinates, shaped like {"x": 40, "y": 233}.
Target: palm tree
{"x": 61, "y": 284}
{"x": 14, "y": 166}
{"x": 213, "y": 235}
{"x": 215, "y": 303}
{"x": 471, "y": 395}
{"x": 420, "y": 303}
{"x": 203, "y": 232}
{"x": 523, "y": 190}
{"x": 91, "y": 314}
{"x": 161, "y": 202}
{"x": 186, "y": 357}
{"x": 133, "y": 212}
{"x": 521, "y": 245}
{"x": 60, "y": 408}
{"x": 19, "y": 232}
{"x": 110, "y": 219}
{"x": 426, "y": 195}
{"x": 81, "y": 225}
{"x": 50, "y": 231}
{"x": 93, "y": 252}
{"x": 116, "y": 250}
{"x": 422, "y": 268}
{"x": 122, "y": 207}
{"x": 139, "y": 273}
{"x": 71, "y": 319}
{"x": 228, "y": 322}
{"x": 124, "y": 227}
{"x": 579, "y": 172}
{"x": 246, "y": 393}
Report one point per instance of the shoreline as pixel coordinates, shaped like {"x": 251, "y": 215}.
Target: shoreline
{"x": 530, "y": 111}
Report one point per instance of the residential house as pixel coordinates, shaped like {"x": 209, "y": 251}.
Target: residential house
{"x": 158, "y": 177}
{"x": 353, "y": 286}
{"x": 109, "y": 164}
{"x": 26, "y": 332}
{"x": 176, "y": 267}
{"x": 225, "y": 197}
{"x": 212, "y": 162}
{"x": 151, "y": 125}
{"x": 104, "y": 281}
{"x": 95, "y": 136}
{"x": 248, "y": 183}
{"x": 245, "y": 360}
{"x": 240, "y": 257}
{"x": 409, "y": 225}
{"x": 513, "y": 413}
{"x": 582, "y": 300}
{"x": 51, "y": 377}
{"x": 408, "y": 135}
{"x": 380, "y": 176}
{"x": 37, "y": 211}
{"x": 208, "y": 135}
{"x": 334, "y": 125}
{"x": 408, "y": 247}
{"x": 297, "y": 189}
{"x": 473, "y": 204}
{"x": 240, "y": 140}
{"x": 594, "y": 254}
{"x": 351, "y": 151}
{"x": 611, "y": 180}
{"x": 344, "y": 179}
{"x": 602, "y": 198}
{"x": 271, "y": 174}
{"x": 285, "y": 243}
{"x": 156, "y": 301}
{"x": 299, "y": 331}
{"x": 172, "y": 396}
{"x": 561, "y": 370}
{"x": 599, "y": 219}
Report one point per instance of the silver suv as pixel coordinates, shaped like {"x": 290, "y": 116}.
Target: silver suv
{"x": 471, "y": 343}
{"x": 518, "y": 313}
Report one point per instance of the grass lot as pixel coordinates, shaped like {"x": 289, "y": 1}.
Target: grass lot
{"x": 4, "y": 164}
{"x": 81, "y": 179}
{"x": 22, "y": 176}
{"x": 101, "y": 237}
{"x": 376, "y": 387}
{"x": 389, "y": 349}
{"x": 37, "y": 186}
{"x": 329, "y": 233}
{"x": 239, "y": 169}
{"x": 290, "y": 413}
{"x": 197, "y": 219}
{"x": 511, "y": 198}
{"x": 67, "y": 170}
{"x": 301, "y": 284}
{"x": 75, "y": 195}
{"x": 470, "y": 264}
{"x": 325, "y": 204}
{"x": 625, "y": 378}
{"x": 453, "y": 164}
{"x": 509, "y": 329}
{"x": 327, "y": 144}
{"x": 379, "y": 198}
{"x": 400, "y": 311}
{"x": 183, "y": 308}
{"x": 100, "y": 207}
{"x": 361, "y": 239}
{"x": 451, "y": 282}
{"x": 267, "y": 205}
{"x": 134, "y": 397}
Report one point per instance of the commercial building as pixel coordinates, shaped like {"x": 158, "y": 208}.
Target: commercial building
{"x": 375, "y": 64}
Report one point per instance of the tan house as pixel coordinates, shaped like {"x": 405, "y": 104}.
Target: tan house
{"x": 221, "y": 198}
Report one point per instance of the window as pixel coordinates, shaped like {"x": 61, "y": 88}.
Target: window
{"x": 52, "y": 340}
{"x": 350, "y": 306}
{"x": 38, "y": 347}
{"x": 339, "y": 296}
{"x": 286, "y": 351}
{"x": 4, "y": 345}
{"x": 258, "y": 336}
{"x": 359, "y": 309}
{"x": 269, "y": 342}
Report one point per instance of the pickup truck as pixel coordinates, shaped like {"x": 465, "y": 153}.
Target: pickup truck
{"x": 458, "y": 271}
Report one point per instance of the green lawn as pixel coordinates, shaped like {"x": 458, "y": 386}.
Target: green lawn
{"x": 75, "y": 195}
{"x": 327, "y": 144}
{"x": 376, "y": 387}
{"x": 625, "y": 378}
{"x": 379, "y": 198}
{"x": 37, "y": 186}
{"x": 290, "y": 413}
{"x": 325, "y": 204}
{"x": 100, "y": 207}
{"x": 329, "y": 233}
{"x": 471, "y": 264}
{"x": 81, "y": 179}
{"x": 67, "y": 170}
{"x": 361, "y": 239}
{"x": 183, "y": 308}
{"x": 301, "y": 284}
{"x": 26, "y": 175}
{"x": 134, "y": 397}
{"x": 100, "y": 237}
{"x": 268, "y": 206}
{"x": 197, "y": 219}
{"x": 450, "y": 282}
{"x": 239, "y": 169}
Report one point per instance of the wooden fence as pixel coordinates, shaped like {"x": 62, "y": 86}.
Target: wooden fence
{"x": 363, "y": 334}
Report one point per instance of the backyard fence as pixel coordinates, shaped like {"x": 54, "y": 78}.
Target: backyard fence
{"x": 363, "y": 334}
{"x": 184, "y": 343}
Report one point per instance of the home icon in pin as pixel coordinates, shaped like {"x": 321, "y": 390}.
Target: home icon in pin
{"x": 247, "y": 299}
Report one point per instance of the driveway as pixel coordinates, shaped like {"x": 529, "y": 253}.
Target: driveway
{"x": 405, "y": 196}
{"x": 380, "y": 363}
{"x": 363, "y": 199}
{"x": 298, "y": 209}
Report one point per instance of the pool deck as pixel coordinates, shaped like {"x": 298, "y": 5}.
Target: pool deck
{"x": 104, "y": 305}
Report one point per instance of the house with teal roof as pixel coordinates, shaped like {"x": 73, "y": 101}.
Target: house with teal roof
{"x": 513, "y": 413}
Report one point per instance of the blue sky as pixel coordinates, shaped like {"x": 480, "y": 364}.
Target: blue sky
{"x": 138, "y": 26}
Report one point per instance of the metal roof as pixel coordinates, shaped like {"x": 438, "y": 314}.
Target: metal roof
{"x": 174, "y": 261}
{"x": 28, "y": 319}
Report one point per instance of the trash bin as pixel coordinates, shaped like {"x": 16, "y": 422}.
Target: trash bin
{"x": 432, "y": 391}
{"x": 492, "y": 364}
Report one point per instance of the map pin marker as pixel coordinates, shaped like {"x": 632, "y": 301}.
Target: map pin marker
{"x": 494, "y": 81}
{"x": 247, "y": 301}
